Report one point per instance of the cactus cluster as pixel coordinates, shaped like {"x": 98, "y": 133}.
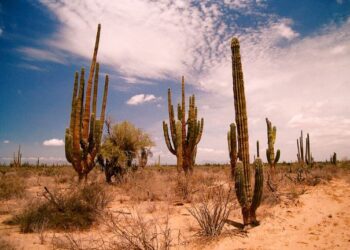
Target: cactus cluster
{"x": 270, "y": 151}
{"x": 184, "y": 141}
{"x": 307, "y": 158}
{"x": 248, "y": 200}
{"x": 83, "y": 136}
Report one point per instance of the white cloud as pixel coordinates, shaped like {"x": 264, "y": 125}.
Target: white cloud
{"x": 41, "y": 55}
{"x": 1, "y": 31}
{"x": 53, "y": 142}
{"x": 141, "y": 98}
{"x": 6, "y": 141}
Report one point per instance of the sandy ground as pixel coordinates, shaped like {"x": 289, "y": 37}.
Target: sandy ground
{"x": 318, "y": 219}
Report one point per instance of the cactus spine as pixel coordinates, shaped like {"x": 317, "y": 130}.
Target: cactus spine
{"x": 249, "y": 201}
{"x": 270, "y": 151}
{"x": 83, "y": 137}
{"x": 183, "y": 142}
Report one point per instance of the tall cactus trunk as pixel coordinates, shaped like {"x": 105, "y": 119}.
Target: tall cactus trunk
{"x": 249, "y": 201}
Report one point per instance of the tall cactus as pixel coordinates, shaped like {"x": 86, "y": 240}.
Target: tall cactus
{"x": 183, "y": 142}
{"x": 83, "y": 137}
{"x": 249, "y": 201}
{"x": 257, "y": 149}
{"x": 270, "y": 151}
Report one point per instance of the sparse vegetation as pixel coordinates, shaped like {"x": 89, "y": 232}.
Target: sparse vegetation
{"x": 11, "y": 187}
{"x": 63, "y": 210}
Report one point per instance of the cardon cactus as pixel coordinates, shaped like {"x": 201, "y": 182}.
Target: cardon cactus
{"x": 270, "y": 151}
{"x": 334, "y": 158}
{"x": 184, "y": 140}
{"x": 248, "y": 200}
{"x": 83, "y": 137}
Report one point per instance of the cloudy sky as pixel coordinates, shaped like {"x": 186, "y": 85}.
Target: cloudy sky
{"x": 295, "y": 55}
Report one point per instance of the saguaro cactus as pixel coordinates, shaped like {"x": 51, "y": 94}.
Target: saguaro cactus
{"x": 270, "y": 151}
{"x": 334, "y": 158}
{"x": 83, "y": 137}
{"x": 249, "y": 201}
{"x": 184, "y": 141}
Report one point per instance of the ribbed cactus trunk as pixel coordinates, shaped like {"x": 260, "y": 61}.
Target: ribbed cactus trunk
{"x": 185, "y": 135}
{"x": 232, "y": 147}
{"x": 249, "y": 201}
{"x": 83, "y": 137}
{"x": 307, "y": 158}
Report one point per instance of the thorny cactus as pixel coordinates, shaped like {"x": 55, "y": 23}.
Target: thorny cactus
{"x": 270, "y": 151}
{"x": 249, "y": 201}
{"x": 83, "y": 137}
{"x": 183, "y": 142}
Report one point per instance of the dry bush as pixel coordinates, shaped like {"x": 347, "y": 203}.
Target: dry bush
{"x": 11, "y": 187}
{"x": 213, "y": 211}
{"x": 76, "y": 208}
{"x": 135, "y": 232}
{"x": 146, "y": 185}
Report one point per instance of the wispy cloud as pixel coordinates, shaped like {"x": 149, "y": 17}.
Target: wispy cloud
{"x": 6, "y": 141}
{"x": 41, "y": 55}
{"x": 30, "y": 67}
{"x": 53, "y": 142}
{"x": 1, "y": 31}
{"x": 142, "y": 98}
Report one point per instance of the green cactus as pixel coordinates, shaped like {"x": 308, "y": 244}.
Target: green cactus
{"x": 308, "y": 154}
{"x": 249, "y": 201}
{"x": 232, "y": 147}
{"x": 83, "y": 137}
{"x": 270, "y": 151}
{"x": 257, "y": 149}
{"x": 183, "y": 142}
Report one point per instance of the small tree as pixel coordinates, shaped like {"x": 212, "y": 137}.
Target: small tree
{"x": 126, "y": 142}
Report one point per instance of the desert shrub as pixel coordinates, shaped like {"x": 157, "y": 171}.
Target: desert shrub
{"x": 11, "y": 187}
{"x": 73, "y": 209}
{"x": 133, "y": 231}
{"x": 212, "y": 212}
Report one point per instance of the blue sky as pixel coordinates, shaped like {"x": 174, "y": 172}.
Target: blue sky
{"x": 296, "y": 59}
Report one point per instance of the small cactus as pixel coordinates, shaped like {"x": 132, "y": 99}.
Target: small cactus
{"x": 270, "y": 151}
{"x": 249, "y": 201}
{"x": 334, "y": 158}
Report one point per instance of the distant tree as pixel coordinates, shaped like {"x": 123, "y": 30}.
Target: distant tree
{"x": 126, "y": 142}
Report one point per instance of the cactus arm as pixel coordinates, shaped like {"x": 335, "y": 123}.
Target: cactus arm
{"x": 78, "y": 115}
{"x": 86, "y": 114}
{"x": 104, "y": 101}
{"x": 167, "y": 139}
{"x": 68, "y": 145}
{"x": 94, "y": 100}
{"x": 278, "y": 154}
{"x": 259, "y": 183}
{"x": 239, "y": 184}
{"x": 183, "y": 109}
